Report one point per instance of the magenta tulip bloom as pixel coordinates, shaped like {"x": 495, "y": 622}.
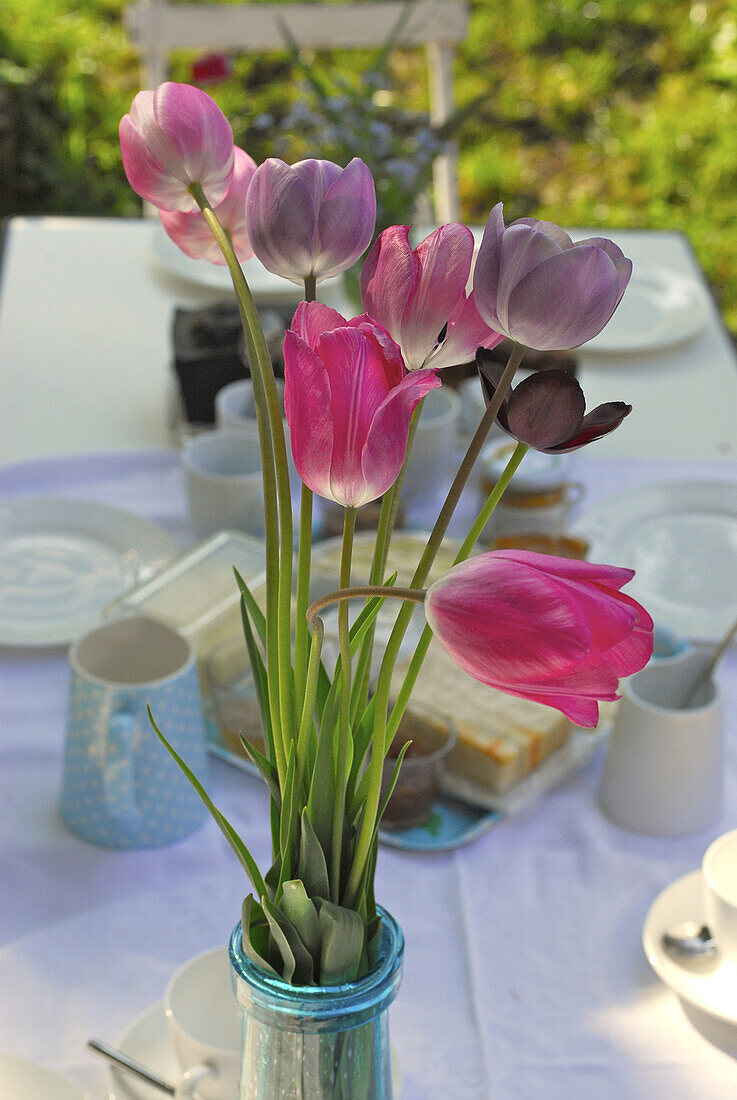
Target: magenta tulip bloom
{"x": 417, "y": 294}
{"x": 554, "y": 630}
{"x": 349, "y": 402}
{"x": 312, "y": 218}
{"x": 192, "y": 233}
{"x": 536, "y": 286}
{"x": 174, "y": 137}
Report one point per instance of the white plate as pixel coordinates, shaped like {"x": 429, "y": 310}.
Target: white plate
{"x": 708, "y": 984}
{"x": 62, "y": 561}
{"x": 147, "y": 1041}
{"x": 660, "y": 308}
{"x": 24, "y": 1080}
{"x": 681, "y": 540}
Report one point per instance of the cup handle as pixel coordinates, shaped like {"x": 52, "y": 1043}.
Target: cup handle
{"x": 186, "y": 1086}
{"x": 575, "y": 491}
{"x": 118, "y": 773}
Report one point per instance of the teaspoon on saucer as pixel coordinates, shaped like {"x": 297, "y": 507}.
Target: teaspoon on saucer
{"x": 688, "y": 940}
{"x": 122, "y": 1061}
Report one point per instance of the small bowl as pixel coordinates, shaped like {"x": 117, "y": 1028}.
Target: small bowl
{"x": 562, "y": 546}
{"x": 433, "y": 737}
{"x": 232, "y": 691}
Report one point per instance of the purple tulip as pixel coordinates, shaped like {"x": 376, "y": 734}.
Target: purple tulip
{"x": 417, "y": 294}
{"x": 553, "y": 630}
{"x": 174, "y": 137}
{"x": 192, "y": 233}
{"x": 536, "y": 286}
{"x": 349, "y": 402}
{"x": 547, "y": 410}
{"x": 312, "y": 218}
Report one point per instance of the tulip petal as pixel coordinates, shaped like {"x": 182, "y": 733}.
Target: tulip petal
{"x": 466, "y": 333}
{"x": 386, "y": 441}
{"x": 599, "y": 422}
{"x": 608, "y": 576}
{"x": 346, "y": 219}
{"x": 200, "y": 134}
{"x": 443, "y": 261}
{"x": 281, "y": 220}
{"x": 312, "y": 319}
{"x": 550, "y": 229}
{"x": 387, "y": 277}
{"x": 545, "y": 408}
{"x": 390, "y": 353}
{"x": 524, "y": 249}
{"x": 307, "y": 404}
{"x": 358, "y": 385}
{"x": 564, "y": 301}
{"x": 486, "y": 269}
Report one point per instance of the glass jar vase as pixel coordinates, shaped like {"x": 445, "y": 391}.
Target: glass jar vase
{"x": 317, "y": 1042}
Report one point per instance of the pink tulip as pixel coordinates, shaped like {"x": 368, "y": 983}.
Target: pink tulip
{"x": 192, "y": 233}
{"x": 417, "y": 293}
{"x": 539, "y": 288}
{"x": 554, "y": 630}
{"x": 174, "y": 137}
{"x": 312, "y": 218}
{"x": 349, "y": 402}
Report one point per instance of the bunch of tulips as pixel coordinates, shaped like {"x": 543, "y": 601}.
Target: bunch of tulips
{"x": 557, "y": 631}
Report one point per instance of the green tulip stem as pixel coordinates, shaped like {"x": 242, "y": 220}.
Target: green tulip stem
{"x": 344, "y": 726}
{"x": 277, "y": 500}
{"x": 317, "y": 630}
{"x": 379, "y": 740}
{"x": 405, "y": 692}
{"x": 491, "y": 501}
{"x": 304, "y": 558}
{"x": 363, "y": 592}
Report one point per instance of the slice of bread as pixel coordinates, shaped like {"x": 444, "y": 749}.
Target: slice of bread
{"x": 501, "y": 738}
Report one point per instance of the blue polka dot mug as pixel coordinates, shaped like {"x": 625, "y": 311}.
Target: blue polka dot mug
{"x": 121, "y": 787}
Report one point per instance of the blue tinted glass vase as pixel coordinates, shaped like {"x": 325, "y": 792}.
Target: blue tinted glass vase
{"x": 318, "y": 1042}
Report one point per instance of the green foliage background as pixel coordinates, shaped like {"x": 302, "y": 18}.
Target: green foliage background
{"x": 593, "y": 112}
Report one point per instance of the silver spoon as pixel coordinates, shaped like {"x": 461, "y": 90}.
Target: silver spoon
{"x": 688, "y": 940}
{"x": 708, "y": 670}
{"x": 122, "y": 1061}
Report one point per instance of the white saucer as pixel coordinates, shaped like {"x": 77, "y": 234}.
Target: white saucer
{"x": 708, "y": 984}
{"x": 24, "y": 1080}
{"x": 147, "y": 1040}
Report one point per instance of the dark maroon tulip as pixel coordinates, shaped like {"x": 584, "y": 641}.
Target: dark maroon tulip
{"x": 547, "y": 410}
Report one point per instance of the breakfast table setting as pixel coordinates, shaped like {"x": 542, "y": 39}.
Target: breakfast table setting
{"x": 528, "y": 900}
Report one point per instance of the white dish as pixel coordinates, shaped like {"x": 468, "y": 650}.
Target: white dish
{"x": 62, "y": 561}
{"x": 24, "y": 1080}
{"x": 147, "y": 1041}
{"x": 681, "y": 540}
{"x": 708, "y": 984}
{"x": 660, "y": 308}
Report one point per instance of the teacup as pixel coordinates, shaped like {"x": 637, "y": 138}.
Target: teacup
{"x": 235, "y": 410}
{"x": 430, "y": 465}
{"x": 204, "y": 1021}
{"x": 225, "y": 489}
{"x": 664, "y": 770}
{"x": 719, "y": 867}
{"x": 121, "y": 787}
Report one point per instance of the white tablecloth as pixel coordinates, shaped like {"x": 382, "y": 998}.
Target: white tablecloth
{"x": 524, "y": 974}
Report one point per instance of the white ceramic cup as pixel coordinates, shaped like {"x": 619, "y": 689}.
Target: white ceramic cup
{"x": 235, "y": 410}
{"x": 432, "y": 462}
{"x": 663, "y": 773}
{"x": 204, "y": 1021}
{"x": 225, "y": 489}
{"x": 719, "y": 868}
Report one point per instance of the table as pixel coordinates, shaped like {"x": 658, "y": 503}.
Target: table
{"x": 524, "y": 978}
{"x": 85, "y": 314}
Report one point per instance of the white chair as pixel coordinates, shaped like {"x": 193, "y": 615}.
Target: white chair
{"x": 157, "y": 27}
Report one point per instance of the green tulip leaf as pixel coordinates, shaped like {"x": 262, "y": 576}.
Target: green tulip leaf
{"x": 313, "y": 868}
{"x": 342, "y": 934}
{"x": 298, "y": 962}
{"x": 302, "y": 913}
